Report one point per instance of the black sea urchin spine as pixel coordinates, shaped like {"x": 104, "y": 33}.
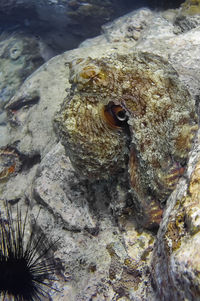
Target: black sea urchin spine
{"x": 25, "y": 270}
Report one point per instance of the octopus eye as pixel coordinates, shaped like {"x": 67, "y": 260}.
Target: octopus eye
{"x": 115, "y": 115}
{"x": 120, "y": 113}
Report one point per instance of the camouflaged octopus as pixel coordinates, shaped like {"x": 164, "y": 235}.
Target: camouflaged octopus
{"x": 129, "y": 112}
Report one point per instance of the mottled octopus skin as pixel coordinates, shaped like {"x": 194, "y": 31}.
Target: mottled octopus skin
{"x": 152, "y": 144}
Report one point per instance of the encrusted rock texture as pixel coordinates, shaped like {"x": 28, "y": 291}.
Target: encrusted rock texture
{"x": 103, "y": 252}
{"x": 20, "y": 55}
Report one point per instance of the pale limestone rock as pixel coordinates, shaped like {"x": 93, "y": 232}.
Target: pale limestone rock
{"x": 19, "y": 57}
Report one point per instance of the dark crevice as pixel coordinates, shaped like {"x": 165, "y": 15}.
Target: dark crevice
{"x": 93, "y": 231}
{"x": 14, "y": 201}
{"x": 29, "y": 161}
{"x": 22, "y": 102}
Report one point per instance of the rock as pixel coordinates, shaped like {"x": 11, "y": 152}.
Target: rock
{"x": 188, "y": 16}
{"x": 63, "y": 24}
{"x": 55, "y": 170}
{"x": 20, "y": 55}
{"x": 30, "y": 127}
{"x": 128, "y": 27}
{"x": 102, "y": 254}
{"x": 190, "y": 7}
{"x": 176, "y": 255}
{"x": 185, "y": 23}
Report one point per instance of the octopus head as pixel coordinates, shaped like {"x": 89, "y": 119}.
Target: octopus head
{"x": 92, "y": 123}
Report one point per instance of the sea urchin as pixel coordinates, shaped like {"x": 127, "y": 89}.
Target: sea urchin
{"x": 24, "y": 267}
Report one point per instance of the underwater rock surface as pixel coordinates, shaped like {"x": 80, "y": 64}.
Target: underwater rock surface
{"x": 63, "y": 24}
{"x": 102, "y": 253}
{"x": 20, "y": 55}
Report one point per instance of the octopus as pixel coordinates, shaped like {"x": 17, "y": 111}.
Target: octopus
{"x": 132, "y": 113}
